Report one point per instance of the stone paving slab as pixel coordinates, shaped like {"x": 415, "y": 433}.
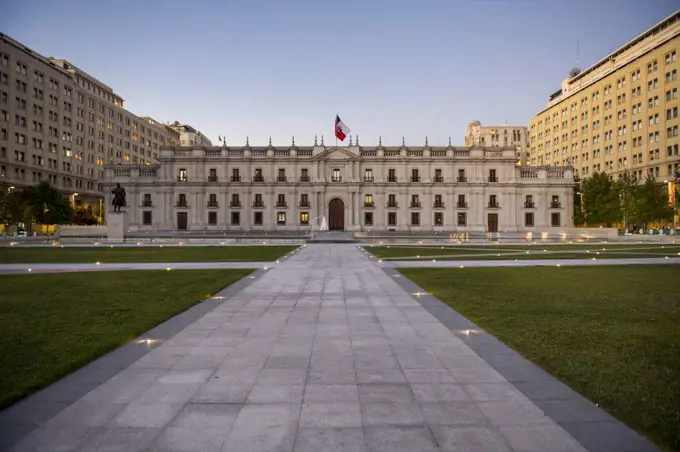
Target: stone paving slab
{"x": 325, "y": 351}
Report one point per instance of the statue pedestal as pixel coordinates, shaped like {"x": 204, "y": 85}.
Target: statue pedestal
{"x": 116, "y": 225}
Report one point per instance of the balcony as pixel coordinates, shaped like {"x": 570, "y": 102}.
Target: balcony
{"x": 438, "y": 205}
{"x": 368, "y": 179}
{"x": 529, "y": 204}
{"x": 213, "y": 204}
{"x": 415, "y": 204}
{"x": 392, "y": 205}
{"x": 462, "y": 179}
{"x": 258, "y": 204}
{"x": 258, "y": 179}
{"x": 494, "y": 205}
{"x": 236, "y": 178}
{"x": 212, "y": 179}
{"x": 461, "y": 205}
{"x": 415, "y": 179}
{"x": 281, "y": 179}
{"x": 493, "y": 179}
{"x": 391, "y": 179}
{"x": 235, "y": 204}
{"x": 438, "y": 179}
{"x": 336, "y": 179}
{"x": 369, "y": 204}
{"x": 182, "y": 179}
{"x": 304, "y": 203}
{"x": 281, "y": 204}
{"x": 181, "y": 204}
{"x": 304, "y": 179}
{"x": 147, "y": 204}
{"x": 555, "y": 205}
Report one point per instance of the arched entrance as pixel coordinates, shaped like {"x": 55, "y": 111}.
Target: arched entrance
{"x": 336, "y": 215}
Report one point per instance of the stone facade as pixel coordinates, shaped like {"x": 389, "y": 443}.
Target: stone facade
{"x": 497, "y": 136}
{"x": 357, "y": 188}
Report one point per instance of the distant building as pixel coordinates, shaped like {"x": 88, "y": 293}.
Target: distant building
{"x": 620, "y": 114}
{"x": 189, "y": 136}
{"x": 61, "y": 125}
{"x": 357, "y": 188}
{"x": 497, "y": 136}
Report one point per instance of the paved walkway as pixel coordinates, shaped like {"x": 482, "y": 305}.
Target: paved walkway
{"x": 324, "y": 352}
{"x": 81, "y": 267}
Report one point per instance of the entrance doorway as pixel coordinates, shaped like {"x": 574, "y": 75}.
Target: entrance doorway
{"x": 182, "y": 221}
{"x": 493, "y": 222}
{"x": 336, "y": 215}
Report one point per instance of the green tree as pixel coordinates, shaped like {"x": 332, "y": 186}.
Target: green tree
{"x": 46, "y": 205}
{"x": 579, "y": 214}
{"x": 601, "y": 200}
{"x": 12, "y": 206}
{"x": 652, "y": 203}
{"x": 628, "y": 188}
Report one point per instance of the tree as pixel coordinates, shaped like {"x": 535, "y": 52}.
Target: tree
{"x": 579, "y": 214}
{"x": 652, "y": 203}
{"x": 12, "y": 206}
{"x": 628, "y": 188}
{"x": 601, "y": 200}
{"x": 45, "y": 205}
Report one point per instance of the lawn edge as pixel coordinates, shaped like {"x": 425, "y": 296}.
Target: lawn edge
{"x": 590, "y": 425}
{"x": 30, "y": 412}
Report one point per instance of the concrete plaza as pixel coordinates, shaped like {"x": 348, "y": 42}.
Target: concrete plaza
{"x": 328, "y": 351}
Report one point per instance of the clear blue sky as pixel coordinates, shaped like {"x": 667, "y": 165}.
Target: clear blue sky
{"x": 282, "y": 68}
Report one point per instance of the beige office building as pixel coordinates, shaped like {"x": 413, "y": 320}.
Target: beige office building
{"x": 357, "y": 188}
{"x": 619, "y": 115}
{"x": 61, "y": 125}
{"x": 190, "y": 136}
{"x": 495, "y": 136}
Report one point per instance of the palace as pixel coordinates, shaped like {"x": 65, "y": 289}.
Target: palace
{"x": 357, "y": 188}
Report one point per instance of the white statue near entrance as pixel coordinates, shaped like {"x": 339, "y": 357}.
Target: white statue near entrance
{"x": 324, "y": 224}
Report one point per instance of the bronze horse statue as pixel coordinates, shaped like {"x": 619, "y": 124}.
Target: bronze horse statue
{"x": 118, "y": 198}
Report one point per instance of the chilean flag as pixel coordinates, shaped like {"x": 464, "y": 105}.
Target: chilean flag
{"x": 341, "y": 130}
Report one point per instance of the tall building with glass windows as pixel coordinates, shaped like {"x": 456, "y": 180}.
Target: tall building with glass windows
{"x": 619, "y": 115}
{"x": 61, "y": 125}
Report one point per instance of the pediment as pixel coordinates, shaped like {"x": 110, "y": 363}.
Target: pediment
{"x": 336, "y": 154}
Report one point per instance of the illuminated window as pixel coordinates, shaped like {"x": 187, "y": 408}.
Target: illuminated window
{"x": 304, "y": 218}
{"x": 281, "y": 218}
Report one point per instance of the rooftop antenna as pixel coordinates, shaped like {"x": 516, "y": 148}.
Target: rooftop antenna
{"x": 578, "y": 59}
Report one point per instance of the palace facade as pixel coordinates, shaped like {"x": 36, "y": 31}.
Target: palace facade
{"x": 357, "y": 188}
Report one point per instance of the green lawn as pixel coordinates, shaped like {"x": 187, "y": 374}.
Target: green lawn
{"x": 52, "y": 324}
{"x": 108, "y": 254}
{"x": 611, "y": 333}
{"x": 504, "y": 252}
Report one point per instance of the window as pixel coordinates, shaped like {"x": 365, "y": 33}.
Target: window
{"x": 236, "y": 218}
{"x": 258, "y": 175}
{"x": 391, "y": 200}
{"x": 212, "y": 177}
{"x": 212, "y": 218}
{"x": 368, "y": 218}
{"x": 182, "y": 200}
{"x": 304, "y": 176}
{"x": 528, "y": 219}
{"x": 438, "y": 201}
{"x": 212, "y": 200}
{"x": 21, "y": 68}
{"x": 235, "y": 201}
{"x": 258, "y": 200}
{"x": 461, "y": 176}
{"x": 304, "y": 200}
{"x": 415, "y": 218}
{"x": 146, "y": 217}
{"x": 281, "y": 218}
{"x": 391, "y": 175}
{"x": 670, "y": 57}
{"x": 368, "y": 201}
{"x": 257, "y": 218}
{"x": 392, "y": 218}
{"x": 304, "y": 218}
{"x": 182, "y": 175}
{"x": 439, "y": 219}
{"x": 438, "y": 175}
{"x": 282, "y": 175}
{"x": 493, "y": 202}
{"x": 415, "y": 176}
{"x": 415, "y": 201}
{"x": 281, "y": 200}
{"x": 492, "y": 176}
{"x": 462, "y": 218}
{"x": 336, "y": 175}
{"x": 461, "y": 201}
{"x": 368, "y": 175}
